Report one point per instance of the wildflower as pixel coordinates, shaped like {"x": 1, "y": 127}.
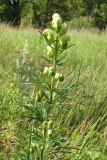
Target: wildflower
{"x": 33, "y": 145}
{"x": 50, "y": 52}
{"x": 49, "y": 34}
{"x": 49, "y": 132}
{"x": 46, "y": 71}
{"x": 57, "y": 75}
{"x": 64, "y": 29}
{"x": 41, "y": 93}
{"x": 50, "y": 124}
{"x": 56, "y": 22}
{"x": 39, "y": 96}
{"x": 51, "y": 71}
{"x": 64, "y": 41}
{"x": 44, "y": 124}
{"x": 61, "y": 77}
{"x": 55, "y": 15}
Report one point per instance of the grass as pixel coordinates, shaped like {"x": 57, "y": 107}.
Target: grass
{"x": 83, "y": 116}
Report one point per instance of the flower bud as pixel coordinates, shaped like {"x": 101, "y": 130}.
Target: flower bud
{"x": 50, "y": 52}
{"x": 51, "y": 71}
{"x": 30, "y": 149}
{"x": 46, "y": 71}
{"x": 50, "y": 124}
{"x": 59, "y": 52}
{"x": 44, "y": 124}
{"x": 55, "y": 15}
{"x": 49, "y": 34}
{"x": 64, "y": 28}
{"x": 57, "y": 76}
{"x": 61, "y": 77}
{"x": 38, "y": 98}
{"x": 41, "y": 93}
{"x": 54, "y": 94}
{"x": 33, "y": 145}
{"x": 64, "y": 41}
{"x": 57, "y": 23}
{"x": 49, "y": 132}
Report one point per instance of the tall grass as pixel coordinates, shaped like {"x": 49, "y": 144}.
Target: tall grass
{"x": 82, "y": 116}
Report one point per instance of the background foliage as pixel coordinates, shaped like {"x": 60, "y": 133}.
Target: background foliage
{"x": 82, "y": 117}
{"x": 38, "y": 12}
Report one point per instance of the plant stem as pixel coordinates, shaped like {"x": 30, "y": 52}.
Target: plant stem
{"x": 43, "y": 149}
{"x": 55, "y": 55}
{"x": 30, "y": 141}
{"x": 51, "y": 96}
{"x": 52, "y": 80}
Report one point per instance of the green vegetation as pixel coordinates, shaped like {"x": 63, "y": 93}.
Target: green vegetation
{"x": 39, "y": 12}
{"x": 79, "y": 121}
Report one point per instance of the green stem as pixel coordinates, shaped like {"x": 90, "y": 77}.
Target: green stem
{"x": 51, "y": 95}
{"x": 50, "y": 100}
{"x": 43, "y": 149}
{"x": 42, "y": 152}
{"x": 55, "y": 55}
{"x": 30, "y": 141}
{"x": 52, "y": 80}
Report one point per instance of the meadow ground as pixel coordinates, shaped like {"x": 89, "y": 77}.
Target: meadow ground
{"x": 83, "y": 115}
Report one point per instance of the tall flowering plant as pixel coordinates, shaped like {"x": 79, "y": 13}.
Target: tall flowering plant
{"x": 45, "y": 142}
